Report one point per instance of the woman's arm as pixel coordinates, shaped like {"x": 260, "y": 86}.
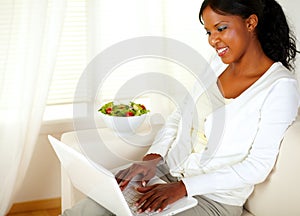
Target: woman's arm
{"x": 277, "y": 114}
{"x": 166, "y": 136}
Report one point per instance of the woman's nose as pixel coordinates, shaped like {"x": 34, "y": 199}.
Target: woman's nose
{"x": 213, "y": 40}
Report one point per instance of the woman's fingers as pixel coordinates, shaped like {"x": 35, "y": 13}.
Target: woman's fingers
{"x": 146, "y": 169}
{"x": 158, "y": 197}
{"x": 153, "y": 203}
{"x": 126, "y": 177}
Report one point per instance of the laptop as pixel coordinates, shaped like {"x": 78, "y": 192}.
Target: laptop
{"x": 100, "y": 184}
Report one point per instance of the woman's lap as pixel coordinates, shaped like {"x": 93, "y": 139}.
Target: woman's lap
{"x": 205, "y": 207}
{"x": 208, "y": 207}
{"x": 87, "y": 207}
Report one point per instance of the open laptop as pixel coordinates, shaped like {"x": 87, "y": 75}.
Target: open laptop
{"x": 100, "y": 184}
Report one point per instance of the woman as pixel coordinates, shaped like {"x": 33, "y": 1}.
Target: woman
{"x": 261, "y": 100}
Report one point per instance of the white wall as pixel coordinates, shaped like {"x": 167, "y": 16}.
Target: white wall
{"x": 43, "y": 177}
{"x": 42, "y": 180}
{"x": 291, "y": 9}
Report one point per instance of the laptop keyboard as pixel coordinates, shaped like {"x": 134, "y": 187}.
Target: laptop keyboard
{"x": 131, "y": 196}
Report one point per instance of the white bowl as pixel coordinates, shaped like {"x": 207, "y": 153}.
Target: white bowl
{"x": 123, "y": 124}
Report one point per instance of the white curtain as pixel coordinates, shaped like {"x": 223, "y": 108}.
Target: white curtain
{"x": 30, "y": 32}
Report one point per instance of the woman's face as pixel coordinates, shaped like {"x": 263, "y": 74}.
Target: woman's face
{"x": 228, "y": 35}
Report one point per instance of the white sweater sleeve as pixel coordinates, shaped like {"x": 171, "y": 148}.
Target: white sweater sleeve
{"x": 166, "y": 136}
{"x": 277, "y": 113}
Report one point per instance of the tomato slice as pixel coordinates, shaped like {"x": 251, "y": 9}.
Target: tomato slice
{"x": 108, "y": 110}
{"x": 129, "y": 114}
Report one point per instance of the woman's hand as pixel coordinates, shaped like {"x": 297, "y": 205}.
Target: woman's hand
{"x": 145, "y": 168}
{"x": 157, "y": 197}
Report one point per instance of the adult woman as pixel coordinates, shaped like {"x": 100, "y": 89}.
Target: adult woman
{"x": 260, "y": 98}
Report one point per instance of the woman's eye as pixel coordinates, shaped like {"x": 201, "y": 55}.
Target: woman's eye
{"x": 222, "y": 28}
{"x": 208, "y": 32}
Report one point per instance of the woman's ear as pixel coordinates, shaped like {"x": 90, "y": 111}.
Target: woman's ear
{"x": 252, "y": 22}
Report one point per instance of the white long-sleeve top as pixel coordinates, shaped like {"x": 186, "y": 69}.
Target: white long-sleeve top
{"x": 243, "y": 138}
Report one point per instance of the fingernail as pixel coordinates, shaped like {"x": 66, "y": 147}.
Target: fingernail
{"x": 144, "y": 184}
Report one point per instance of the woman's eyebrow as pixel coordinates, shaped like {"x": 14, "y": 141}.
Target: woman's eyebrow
{"x": 215, "y": 25}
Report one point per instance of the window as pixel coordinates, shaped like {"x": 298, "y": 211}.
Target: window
{"x": 71, "y": 62}
{"x": 92, "y": 26}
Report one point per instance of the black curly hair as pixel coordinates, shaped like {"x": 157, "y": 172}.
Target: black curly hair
{"x": 273, "y": 31}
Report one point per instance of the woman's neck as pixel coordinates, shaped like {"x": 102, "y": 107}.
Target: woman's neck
{"x": 240, "y": 75}
{"x": 254, "y": 63}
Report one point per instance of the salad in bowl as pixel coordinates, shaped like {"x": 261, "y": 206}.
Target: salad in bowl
{"x": 123, "y": 118}
{"x": 123, "y": 110}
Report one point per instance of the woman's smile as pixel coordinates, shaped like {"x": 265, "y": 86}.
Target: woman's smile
{"x": 222, "y": 51}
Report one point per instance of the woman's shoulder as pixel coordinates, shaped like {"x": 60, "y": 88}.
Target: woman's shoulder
{"x": 279, "y": 71}
{"x": 282, "y": 81}
{"x": 276, "y": 80}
